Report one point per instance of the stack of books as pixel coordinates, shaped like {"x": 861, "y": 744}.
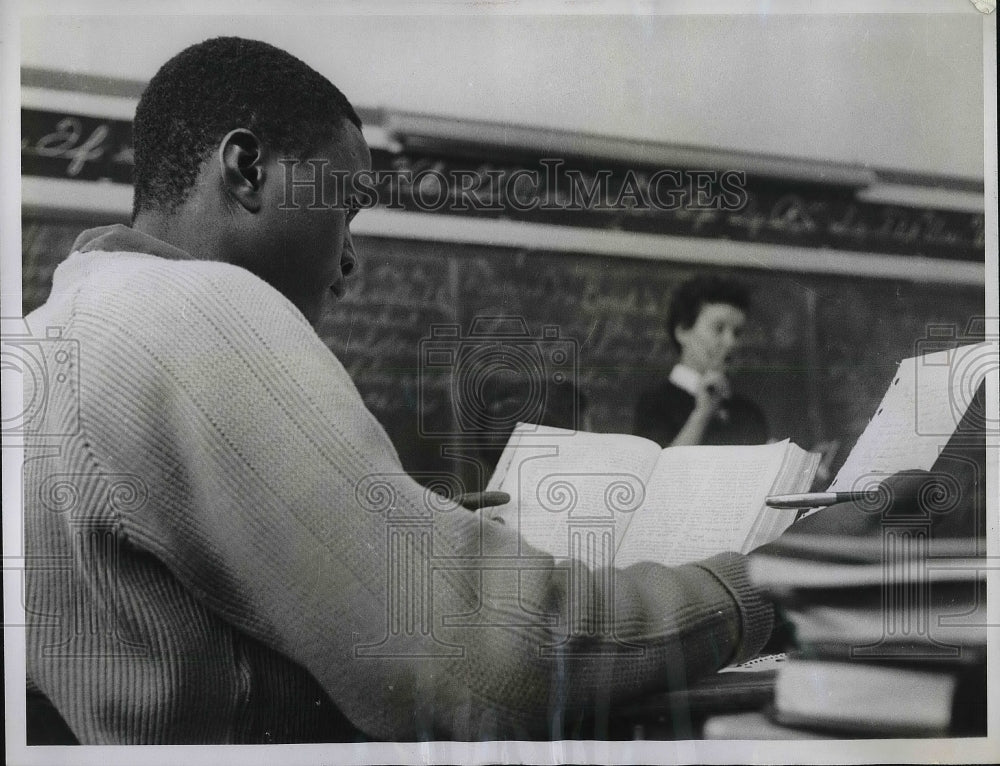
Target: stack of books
{"x": 883, "y": 648}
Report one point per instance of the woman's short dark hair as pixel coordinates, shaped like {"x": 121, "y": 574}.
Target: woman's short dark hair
{"x": 218, "y": 85}
{"x": 691, "y": 296}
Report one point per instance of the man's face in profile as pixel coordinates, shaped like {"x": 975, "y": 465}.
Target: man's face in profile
{"x": 307, "y": 233}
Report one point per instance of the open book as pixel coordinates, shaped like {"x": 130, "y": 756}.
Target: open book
{"x": 615, "y": 499}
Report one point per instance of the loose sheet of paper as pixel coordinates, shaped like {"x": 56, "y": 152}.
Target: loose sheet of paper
{"x": 920, "y": 410}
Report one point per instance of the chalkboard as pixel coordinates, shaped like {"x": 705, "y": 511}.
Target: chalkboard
{"x": 820, "y": 349}
{"x": 483, "y": 181}
{"x": 76, "y": 146}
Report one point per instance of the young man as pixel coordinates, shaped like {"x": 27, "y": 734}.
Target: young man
{"x": 224, "y": 530}
{"x": 696, "y": 404}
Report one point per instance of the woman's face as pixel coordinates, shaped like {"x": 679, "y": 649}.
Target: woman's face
{"x": 708, "y": 344}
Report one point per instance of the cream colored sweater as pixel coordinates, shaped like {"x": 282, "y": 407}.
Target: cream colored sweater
{"x": 225, "y": 548}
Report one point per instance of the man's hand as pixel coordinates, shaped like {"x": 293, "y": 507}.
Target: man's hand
{"x": 948, "y": 503}
{"x": 895, "y": 495}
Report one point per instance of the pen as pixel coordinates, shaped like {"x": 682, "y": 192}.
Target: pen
{"x": 815, "y": 499}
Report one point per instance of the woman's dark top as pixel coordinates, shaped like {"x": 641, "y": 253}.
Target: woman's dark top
{"x": 661, "y": 413}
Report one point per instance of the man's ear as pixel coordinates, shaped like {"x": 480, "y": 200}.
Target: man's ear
{"x": 241, "y": 160}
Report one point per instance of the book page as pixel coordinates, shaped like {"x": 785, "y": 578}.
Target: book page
{"x": 853, "y": 695}
{"x": 920, "y": 410}
{"x": 796, "y": 475}
{"x": 701, "y": 501}
{"x": 560, "y": 481}
{"x": 784, "y": 575}
{"x": 760, "y": 664}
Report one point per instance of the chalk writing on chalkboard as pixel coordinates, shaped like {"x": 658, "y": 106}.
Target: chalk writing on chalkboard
{"x": 75, "y": 146}
{"x": 572, "y": 191}
{"x": 731, "y": 205}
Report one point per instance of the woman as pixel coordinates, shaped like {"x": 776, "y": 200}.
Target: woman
{"x": 696, "y": 404}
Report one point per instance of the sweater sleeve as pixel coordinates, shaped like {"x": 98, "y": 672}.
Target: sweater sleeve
{"x": 279, "y": 501}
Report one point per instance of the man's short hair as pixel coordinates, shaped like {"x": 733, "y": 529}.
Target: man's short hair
{"x": 690, "y": 296}
{"x": 205, "y": 91}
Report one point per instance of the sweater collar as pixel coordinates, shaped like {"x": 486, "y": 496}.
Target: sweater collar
{"x": 120, "y": 238}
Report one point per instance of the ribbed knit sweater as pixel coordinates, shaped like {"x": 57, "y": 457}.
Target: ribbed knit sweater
{"x": 225, "y": 547}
